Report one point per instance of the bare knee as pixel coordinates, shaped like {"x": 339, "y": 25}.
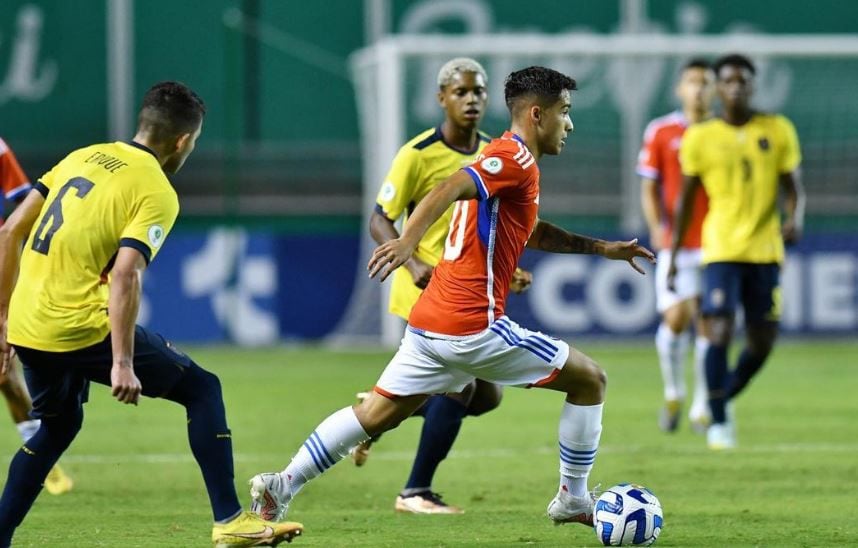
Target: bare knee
{"x": 378, "y": 414}
{"x": 599, "y": 379}
{"x": 679, "y": 316}
{"x": 487, "y": 397}
{"x": 581, "y": 378}
{"x": 590, "y": 386}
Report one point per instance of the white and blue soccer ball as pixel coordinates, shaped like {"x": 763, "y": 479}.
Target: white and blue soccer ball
{"x": 627, "y": 515}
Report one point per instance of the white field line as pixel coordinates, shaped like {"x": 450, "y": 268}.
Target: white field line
{"x": 380, "y": 454}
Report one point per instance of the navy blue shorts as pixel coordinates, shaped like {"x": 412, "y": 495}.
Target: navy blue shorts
{"x": 756, "y": 286}
{"x": 59, "y": 381}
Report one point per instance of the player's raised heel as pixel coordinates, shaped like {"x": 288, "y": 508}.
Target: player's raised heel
{"x": 248, "y": 529}
{"x": 269, "y": 496}
{"x": 567, "y": 508}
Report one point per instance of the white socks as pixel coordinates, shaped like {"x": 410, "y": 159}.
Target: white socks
{"x": 28, "y": 429}
{"x": 326, "y": 446}
{"x": 579, "y": 433}
{"x": 672, "y": 349}
{"x": 700, "y": 402}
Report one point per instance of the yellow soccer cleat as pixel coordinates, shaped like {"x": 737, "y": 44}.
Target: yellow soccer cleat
{"x": 248, "y": 529}
{"x": 58, "y": 482}
{"x": 668, "y": 419}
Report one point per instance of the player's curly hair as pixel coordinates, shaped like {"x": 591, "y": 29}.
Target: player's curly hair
{"x": 170, "y": 109}
{"x": 734, "y": 60}
{"x": 544, "y": 83}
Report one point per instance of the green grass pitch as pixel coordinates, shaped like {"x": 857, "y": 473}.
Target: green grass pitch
{"x": 793, "y": 481}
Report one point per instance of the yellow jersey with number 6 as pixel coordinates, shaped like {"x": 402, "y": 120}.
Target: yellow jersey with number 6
{"x": 740, "y": 167}
{"x": 97, "y": 199}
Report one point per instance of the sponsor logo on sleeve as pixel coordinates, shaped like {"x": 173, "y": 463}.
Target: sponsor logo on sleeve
{"x": 388, "y": 191}
{"x": 156, "y": 235}
{"x": 492, "y": 165}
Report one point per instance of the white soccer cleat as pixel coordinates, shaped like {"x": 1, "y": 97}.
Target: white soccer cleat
{"x": 567, "y": 508}
{"x": 699, "y": 417}
{"x": 270, "y": 494}
{"x": 721, "y": 436}
{"x": 425, "y": 503}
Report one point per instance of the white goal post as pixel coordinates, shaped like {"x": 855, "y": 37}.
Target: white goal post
{"x": 622, "y": 79}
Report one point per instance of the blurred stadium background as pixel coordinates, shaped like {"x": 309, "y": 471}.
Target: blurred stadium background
{"x": 309, "y": 100}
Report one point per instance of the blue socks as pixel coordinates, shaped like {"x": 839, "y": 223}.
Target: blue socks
{"x": 716, "y": 378}
{"x": 442, "y": 421}
{"x": 210, "y": 439}
{"x": 748, "y": 366}
{"x": 30, "y": 467}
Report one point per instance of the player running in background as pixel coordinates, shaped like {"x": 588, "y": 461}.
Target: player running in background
{"x": 658, "y": 166}
{"x": 457, "y": 331}
{"x": 420, "y": 165}
{"x": 92, "y": 225}
{"x": 742, "y": 160}
{"x": 15, "y": 185}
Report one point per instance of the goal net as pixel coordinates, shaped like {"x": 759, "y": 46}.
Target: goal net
{"x": 624, "y": 81}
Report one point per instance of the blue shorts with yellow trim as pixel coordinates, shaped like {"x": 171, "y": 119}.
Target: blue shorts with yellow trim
{"x": 755, "y": 286}
{"x": 59, "y": 381}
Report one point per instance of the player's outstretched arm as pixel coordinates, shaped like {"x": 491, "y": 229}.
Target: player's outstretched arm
{"x": 392, "y": 254}
{"x": 12, "y": 233}
{"x": 122, "y": 307}
{"x": 551, "y": 238}
{"x": 690, "y": 187}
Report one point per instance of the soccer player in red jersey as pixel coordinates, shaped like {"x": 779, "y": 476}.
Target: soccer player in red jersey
{"x": 457, "y": 330}
{"x": 15, "y": 185}
{"x": 658, "y": 166}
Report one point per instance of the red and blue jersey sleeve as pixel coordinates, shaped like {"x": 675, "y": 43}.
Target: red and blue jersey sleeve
{"x": 504, "y": 166}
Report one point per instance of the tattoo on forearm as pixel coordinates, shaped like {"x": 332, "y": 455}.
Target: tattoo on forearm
{"x": 557, "y": 240}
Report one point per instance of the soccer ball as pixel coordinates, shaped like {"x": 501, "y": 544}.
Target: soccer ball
{"x": 627, "y": 514}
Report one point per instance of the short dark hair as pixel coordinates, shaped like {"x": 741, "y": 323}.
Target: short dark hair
{"x": 696, "y": 63}
{"x": 544, "y": 83}
{"x": 735, "y": 60}
{"x": 170, "y": 109}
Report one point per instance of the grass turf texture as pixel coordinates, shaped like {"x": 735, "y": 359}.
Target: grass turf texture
{"x": 791, "y": 482}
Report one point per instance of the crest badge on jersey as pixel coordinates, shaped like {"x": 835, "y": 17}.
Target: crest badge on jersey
{"x": 156, "y": 235}
{"x": 492, "y": 165}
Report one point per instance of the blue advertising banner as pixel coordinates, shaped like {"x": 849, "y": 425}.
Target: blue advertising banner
{"x": 253, "y": 288}
{"x": 576, "y": 294}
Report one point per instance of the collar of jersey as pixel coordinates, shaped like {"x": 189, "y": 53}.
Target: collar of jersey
{"x": 517, "y": 138}
{"x": 135, "y": 144}
{"x": 680, "y": 117}
{"x": 440, "y": 135}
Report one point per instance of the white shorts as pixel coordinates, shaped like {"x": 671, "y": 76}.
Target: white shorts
{"x": 505, "y": 353}
{"x": 689, "y": 278}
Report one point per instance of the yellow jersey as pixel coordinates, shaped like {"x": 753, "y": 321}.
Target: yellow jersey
{"x": 97, "y": 199}
{"x": 740, "y": 167}
{"x": 418, "y": 167}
